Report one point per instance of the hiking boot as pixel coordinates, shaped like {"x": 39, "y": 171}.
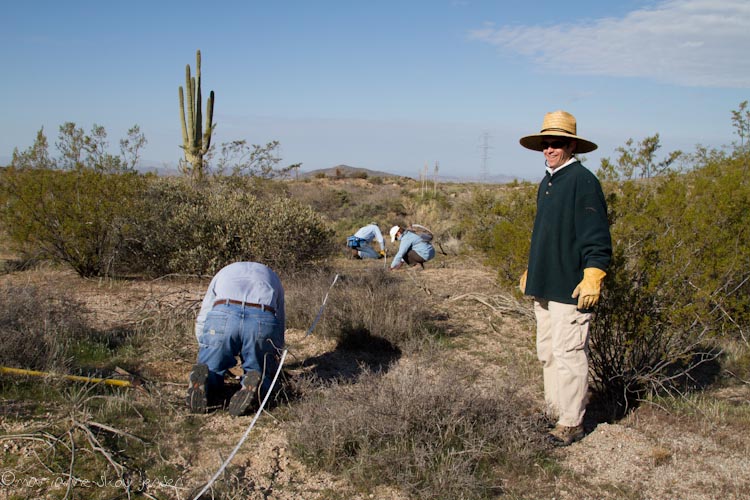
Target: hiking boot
{"x": 197, "y": 399}
{"x": 245, "y": 397}
{"x": 563, "y": 435}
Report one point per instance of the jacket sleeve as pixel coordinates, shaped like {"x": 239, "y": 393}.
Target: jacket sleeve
{"x": 592, "y": 225}
{"x": 403, "y": 248}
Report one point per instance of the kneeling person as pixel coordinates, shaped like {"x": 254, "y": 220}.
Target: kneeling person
{"x": 361, "y": 243}
{"x": 242, "y": 314}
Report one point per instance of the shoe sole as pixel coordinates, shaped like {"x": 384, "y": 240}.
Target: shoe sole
{"x": 197, "y": 400}
{"x": 244, "y": 398}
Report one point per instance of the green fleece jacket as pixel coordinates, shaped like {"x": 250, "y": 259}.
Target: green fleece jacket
{"x": 571, "y": 233}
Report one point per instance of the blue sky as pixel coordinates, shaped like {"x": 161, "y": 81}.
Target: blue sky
{"x": 385, "y": 85}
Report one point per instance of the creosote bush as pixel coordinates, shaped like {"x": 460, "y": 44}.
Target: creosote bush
{"x": 77, "y": 217}
{"x": 429, "y": 433}
{"x": 499, "y": 224}
{"x": 183, "y": 229}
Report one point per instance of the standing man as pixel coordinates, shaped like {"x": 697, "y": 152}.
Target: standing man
{"x": 413, "y": 248}
{"x": 361, "y": 243}
{"x": 242, "y": 314}
{"x": 570, "y": 252}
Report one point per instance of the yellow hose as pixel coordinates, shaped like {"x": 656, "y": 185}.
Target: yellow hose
{"x": 76, "y": 378}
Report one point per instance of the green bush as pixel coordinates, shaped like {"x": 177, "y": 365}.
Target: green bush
{"x": 184, "y": 229}
{"x": 78, "y": 217}
{"x": 73, "y": 208}
{"x": 499, "y": 224}
{"x": 679, "y": 278}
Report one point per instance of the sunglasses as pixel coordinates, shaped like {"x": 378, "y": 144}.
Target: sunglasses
{"x": 554, "y": 144}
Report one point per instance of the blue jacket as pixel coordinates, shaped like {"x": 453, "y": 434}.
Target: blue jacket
{"x": 412, "y": 241}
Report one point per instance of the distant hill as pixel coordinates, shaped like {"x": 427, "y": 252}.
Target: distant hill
{"x": 490, "y": 179}
{"x": 346, "y": 171}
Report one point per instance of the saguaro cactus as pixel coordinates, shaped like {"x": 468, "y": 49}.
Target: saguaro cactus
{"x": 196, "y": 141}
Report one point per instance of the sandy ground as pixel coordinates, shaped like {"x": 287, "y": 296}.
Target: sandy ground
{"x": 647, "y": 455}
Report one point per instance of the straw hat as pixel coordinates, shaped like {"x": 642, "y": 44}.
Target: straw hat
{"x": 557, "y": 124}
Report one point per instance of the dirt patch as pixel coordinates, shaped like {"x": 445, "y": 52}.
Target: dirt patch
{"x": 645, "y": 456}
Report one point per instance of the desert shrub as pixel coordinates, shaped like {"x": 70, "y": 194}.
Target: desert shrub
{"x": 375, "y": 303}
{"x": 40, "y": 328}
{"x": 678, "y": 280}
{"x": 181, "y": 229}
{"x": 77, "y": 217}
{"x": 499, "y": 223}
{"x": 430, "y": 434}
{"x": 72, "y": 208}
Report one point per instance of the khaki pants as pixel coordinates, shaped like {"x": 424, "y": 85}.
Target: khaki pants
{"x": 562, "y": 339}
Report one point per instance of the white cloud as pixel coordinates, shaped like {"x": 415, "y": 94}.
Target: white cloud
{"x": 701, "y": 43}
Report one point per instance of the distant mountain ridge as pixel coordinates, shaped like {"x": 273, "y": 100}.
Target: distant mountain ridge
{"x": 346, "y": 171}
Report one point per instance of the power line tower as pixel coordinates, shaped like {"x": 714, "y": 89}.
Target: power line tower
{"x": 485, "y": 147}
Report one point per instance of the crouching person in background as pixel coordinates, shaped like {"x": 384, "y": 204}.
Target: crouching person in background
{"x": 360, "y": 244}
{"x": 242, "y": 314}
{"x": 414, "y": 248}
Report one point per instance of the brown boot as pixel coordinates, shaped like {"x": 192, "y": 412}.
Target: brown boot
{"x": 563, "y": 435}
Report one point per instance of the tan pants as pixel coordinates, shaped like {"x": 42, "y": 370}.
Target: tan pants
{"x": 562, "y": 339}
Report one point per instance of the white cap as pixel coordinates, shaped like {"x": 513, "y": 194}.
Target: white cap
{"x": 394, "y": 230}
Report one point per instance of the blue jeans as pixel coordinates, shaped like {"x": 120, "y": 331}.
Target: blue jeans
{"x": 367, "y": 252}
{"x": 231, "y": 330}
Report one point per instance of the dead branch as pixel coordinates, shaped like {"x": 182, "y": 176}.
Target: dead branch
{"x": 499, "y": 304}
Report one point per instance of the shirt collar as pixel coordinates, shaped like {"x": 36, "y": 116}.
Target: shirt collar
{"x": 552, "y": 172}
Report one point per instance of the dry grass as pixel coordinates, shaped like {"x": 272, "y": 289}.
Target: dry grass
{"x": 428, "y": 430}
{"x": 44, "y": 328}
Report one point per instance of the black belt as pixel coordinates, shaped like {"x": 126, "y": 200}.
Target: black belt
{"x": 245, "y": 304}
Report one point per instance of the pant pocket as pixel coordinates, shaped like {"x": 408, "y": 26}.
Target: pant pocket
{"x": 577, "y": 337}
{"x": 214, "y": 329}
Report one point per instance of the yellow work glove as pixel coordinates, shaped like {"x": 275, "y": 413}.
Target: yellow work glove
{"x": 522, "y": 281}
{"x": 382, "y": 253}
{"x": 589, "y": 289}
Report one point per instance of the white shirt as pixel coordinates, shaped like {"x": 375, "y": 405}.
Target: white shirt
{"x": 371, "y": 232}
{"x": 246, "y": 282}
{"x": 553, "y": 171}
